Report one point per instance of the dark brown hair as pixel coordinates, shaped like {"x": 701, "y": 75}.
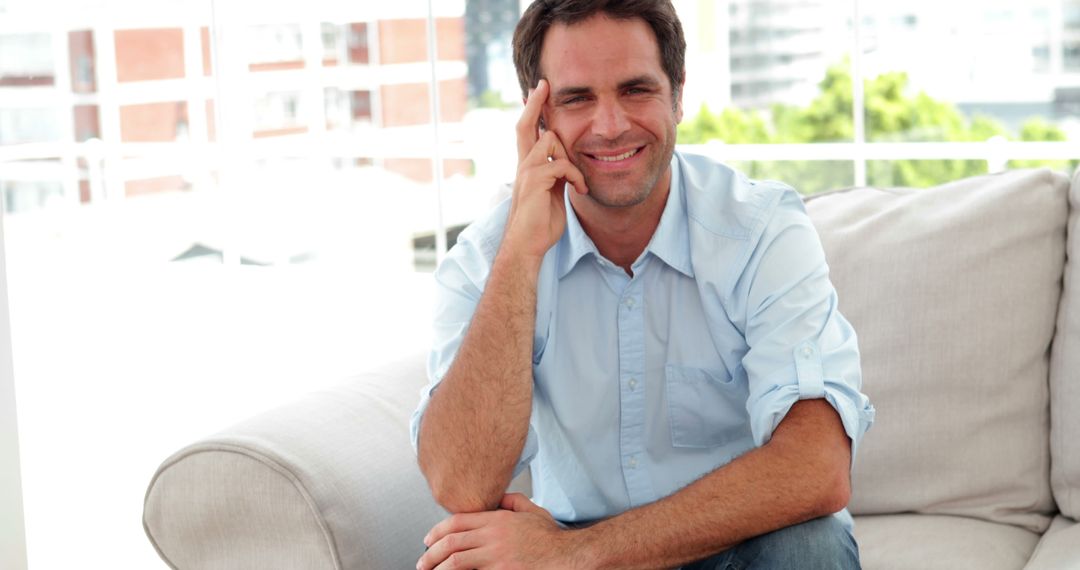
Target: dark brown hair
{"x": 658, "y": 14}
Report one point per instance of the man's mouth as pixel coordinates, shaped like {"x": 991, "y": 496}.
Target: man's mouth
{"x": 615, "y": 157}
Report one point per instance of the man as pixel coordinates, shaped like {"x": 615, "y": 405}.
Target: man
{"x": 652, "y": 334}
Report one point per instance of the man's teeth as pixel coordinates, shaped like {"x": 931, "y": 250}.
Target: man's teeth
{"x": 617, "y": 158}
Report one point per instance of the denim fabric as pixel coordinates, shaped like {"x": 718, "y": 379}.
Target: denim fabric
{"x": 819, "y": 544}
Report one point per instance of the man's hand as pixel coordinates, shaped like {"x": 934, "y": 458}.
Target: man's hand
{"x": 537, "y": 211}
{"x": 518, "y": 535}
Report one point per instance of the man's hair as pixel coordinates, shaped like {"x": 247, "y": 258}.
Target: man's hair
{"x": 658, "y": 14}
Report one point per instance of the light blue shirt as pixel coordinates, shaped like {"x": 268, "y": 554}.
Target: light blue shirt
{"x": 644, "y": 384}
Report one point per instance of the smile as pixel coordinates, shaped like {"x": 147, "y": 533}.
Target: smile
{"x": 617, "y": 157}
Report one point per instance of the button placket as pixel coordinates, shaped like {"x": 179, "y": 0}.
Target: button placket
{"x": 631, "y": 342}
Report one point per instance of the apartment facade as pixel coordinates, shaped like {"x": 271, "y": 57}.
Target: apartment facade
{"x": 125, "y": 103}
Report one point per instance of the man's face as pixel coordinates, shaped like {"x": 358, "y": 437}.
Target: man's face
{"x": 611, "y": 106}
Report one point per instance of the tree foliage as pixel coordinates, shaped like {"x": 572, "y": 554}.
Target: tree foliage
{"x": 893, "y": 114}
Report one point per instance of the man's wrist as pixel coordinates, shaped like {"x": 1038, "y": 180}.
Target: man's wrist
{"x": 588, "y": 549}
{"x": 518, "y": 258}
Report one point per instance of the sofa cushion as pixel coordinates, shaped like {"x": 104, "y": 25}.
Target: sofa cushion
{"x": 953, "y": 292}
{"x": 930, "y": 542}
{"x": 1065, "y": 375}
{"x": 1059, "y": 548}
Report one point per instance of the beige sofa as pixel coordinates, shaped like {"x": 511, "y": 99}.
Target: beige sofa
{"x": 966, "y": 299}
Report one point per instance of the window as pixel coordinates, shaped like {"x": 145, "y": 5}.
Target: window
{"x": 26, "y": 60}
{"x": 976, "y": 79}
{"x": 208, "y": 211}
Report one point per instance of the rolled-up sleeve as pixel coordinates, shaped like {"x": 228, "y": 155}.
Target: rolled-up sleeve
{"x": 459, "y": 283}
{"x": 800, "y": 346}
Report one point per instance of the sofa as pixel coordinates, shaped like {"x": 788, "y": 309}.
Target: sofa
{"x": 966, "y": 300}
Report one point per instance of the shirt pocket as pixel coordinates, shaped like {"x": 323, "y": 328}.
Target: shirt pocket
{"x": 706, "y": 407}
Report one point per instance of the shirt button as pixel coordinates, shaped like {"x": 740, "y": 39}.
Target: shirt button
{"x": 632, "y": 462}
{"x": 807, "y": 352}
{"x": 629, "y": 302}
{"x": 633, "y": 383}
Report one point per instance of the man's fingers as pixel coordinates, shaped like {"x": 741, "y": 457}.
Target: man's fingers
{"x": 457, "y": 523}
{"x": 464, "y": 560}
{"x": 447, "y": 547}
{"x": 547, "y": 146}
{"x": 529, "y": 123}
{"x": 519, "y": 503}
{"x": 559, "y": 171}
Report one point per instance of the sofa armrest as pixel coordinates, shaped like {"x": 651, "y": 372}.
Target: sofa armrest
{"x": 328, "y": 481}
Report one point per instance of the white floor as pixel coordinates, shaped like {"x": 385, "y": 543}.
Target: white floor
{"x": 116, "y": 368}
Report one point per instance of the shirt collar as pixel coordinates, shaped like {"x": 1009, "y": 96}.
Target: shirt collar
{"x": 670, "y": 242}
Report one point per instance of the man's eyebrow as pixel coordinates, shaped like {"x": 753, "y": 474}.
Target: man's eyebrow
{"x": 572, "y": 91}
{"x": 639, "y": 81}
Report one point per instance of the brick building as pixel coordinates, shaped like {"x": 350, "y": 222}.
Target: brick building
{"x": 354, "y": 79}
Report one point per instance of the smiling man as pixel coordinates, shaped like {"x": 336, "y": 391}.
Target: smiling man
{"x": 652, "y": 334}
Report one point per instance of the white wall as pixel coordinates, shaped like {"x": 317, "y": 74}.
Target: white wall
{"x": 12, "y": 530}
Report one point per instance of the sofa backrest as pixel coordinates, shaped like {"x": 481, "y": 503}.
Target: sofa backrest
{"x": 954, "y": 293}
{"x": 1065, "y": 375}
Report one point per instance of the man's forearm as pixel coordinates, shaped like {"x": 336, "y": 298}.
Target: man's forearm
{"x": 800, "y": 475}
{"x": 478, "y": 419}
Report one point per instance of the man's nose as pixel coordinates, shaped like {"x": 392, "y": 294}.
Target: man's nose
{"x": 610, "y": 120}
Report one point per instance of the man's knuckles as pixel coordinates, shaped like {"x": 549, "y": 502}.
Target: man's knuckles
{"x": 455, "y": 561}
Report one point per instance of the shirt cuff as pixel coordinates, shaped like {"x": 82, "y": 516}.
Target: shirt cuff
{"x": 856, "y": 413}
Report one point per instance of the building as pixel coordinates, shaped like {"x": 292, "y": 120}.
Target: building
{"x": 349, "y": 77}
{"x": 489, "y": 28}
{"x": 780, "y": 49}
{"x": 1003, "y": 58}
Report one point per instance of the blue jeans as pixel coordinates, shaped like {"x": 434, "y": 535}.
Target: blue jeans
{"x": 819, "y": 544}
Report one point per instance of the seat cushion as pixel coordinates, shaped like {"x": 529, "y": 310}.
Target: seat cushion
{"x": 1059, "y": 548}
{"x": 930, "y": 542}
{"x": 1065, "y": 375}
{"x": 954, "y": 293}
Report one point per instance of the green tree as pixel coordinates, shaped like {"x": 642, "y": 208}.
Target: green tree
{"x": 731, "y": 126}
{"x": 1037, "y": 129}
{"x": 893, "y": 114}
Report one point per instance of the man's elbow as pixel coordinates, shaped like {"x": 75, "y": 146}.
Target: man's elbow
{"x": 836, "y": 492}
{"x": 455, "y": 501}
{"x": 455, "y": 493}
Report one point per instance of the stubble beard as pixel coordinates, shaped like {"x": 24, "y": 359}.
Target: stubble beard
{"x": 611, "y": 192}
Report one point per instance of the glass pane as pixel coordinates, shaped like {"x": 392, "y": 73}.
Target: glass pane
{"x": 921, "y": 173}
{"x": 479, "y": 106}
{"x": 201, "y": 222}
{"x": 971, "y": 71}
{"x": 806, "y": 176}
{"x": 926, "y": 173}
{"x": 26, "y": 59}
{"x": 782, "y": 77}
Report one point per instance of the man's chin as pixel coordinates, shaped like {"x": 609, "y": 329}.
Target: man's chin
{"x": 620, "y": 198}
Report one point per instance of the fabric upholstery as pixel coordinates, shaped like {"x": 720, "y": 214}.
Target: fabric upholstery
{"x": 936, "y": 542}
{"x": 1059, "y": 548}
{"x": 258, "y": 514}
{"x": 1065, "y": 375}
{"x": 954, "y": 294}
{"x": 333, "y": 471}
